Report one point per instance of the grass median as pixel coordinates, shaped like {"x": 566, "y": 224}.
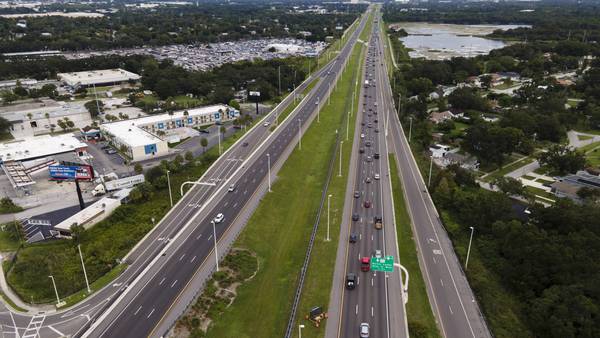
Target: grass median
{"x": 421, "y": 322}
{"x": 279, "y": 230}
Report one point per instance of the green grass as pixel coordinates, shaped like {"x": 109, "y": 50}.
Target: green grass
{"x": 293, "y": 106}
{"x": 278, "y": 232}
{"x": 7, "y": 242}
{"x": 584, "y": 137}
{"x": 589, "y": 147}
{"x": 547, "y": 197}
{"x": 317, "y": 285}
{"x": 543, "y": 181}
{"x": 527, "y": 177}
{"x": 95, "y": 286}
{"x": 418, "y": 309}
{"x": 507, "y": 169}
{"x": 593, "y": 158}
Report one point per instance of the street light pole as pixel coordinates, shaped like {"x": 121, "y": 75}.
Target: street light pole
{"x": 410, "y": 129}
{"x": 219, "y": 137}
{"x": 58, "y": 302}
{"x": 215, "y": 240}
{"x": 87, "y": 283}
{"x": 341, "y": 147}
{"x": 348, "y": 125}
{"x": 269, "y": 170}
{"x": 469, "y": 249}
{"x": 169, "y": 184}
{"x": 328, "y": 205}
{"x": 430, "y": 167}
{"x": 299, "y": 135}
{"x": 300, "y": 327}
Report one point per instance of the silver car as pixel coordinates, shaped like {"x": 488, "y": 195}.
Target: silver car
{"x": 364, "y": 330}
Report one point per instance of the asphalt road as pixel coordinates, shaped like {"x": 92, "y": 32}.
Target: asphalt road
{"x": 453, "y": 302}
{"x": 141, "y": 308}
{"x": 75, "y": 320}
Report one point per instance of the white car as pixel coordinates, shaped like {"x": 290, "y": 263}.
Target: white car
{"x": 362, "y": 135}
{"x": 219, "y": 218}
{"x": 231, "y": 188}
{"x": 378, "y": 254}
{"x": 364, "y": 330}
{"x": 376, "y": 176}
{"x": 266, "y": 124}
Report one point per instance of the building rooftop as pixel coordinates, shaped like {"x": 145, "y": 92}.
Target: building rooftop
{"x": 90, "y": 215}
{"x": 39, "y": 108}
{"x": 97, "y": 76}
{"x": 38, "y": 146}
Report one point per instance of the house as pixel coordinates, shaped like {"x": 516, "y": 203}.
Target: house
{"x": 439, "y": 150}
{"x": 438, "y": 117}
{"x": 490, "y": 118}
{"x": 568, "y": 186}
{"x": 465, "y": 161}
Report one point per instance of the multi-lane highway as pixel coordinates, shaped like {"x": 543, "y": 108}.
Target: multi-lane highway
{"x": 376, "y": 298}
{"x": 144, "y": 305}
{"x": 162, "y": 250}
{"x": 453, "y": 302}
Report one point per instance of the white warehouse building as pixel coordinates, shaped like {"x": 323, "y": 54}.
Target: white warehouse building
{"x": 142, "y": 137}
{"x": 97, "y": 77}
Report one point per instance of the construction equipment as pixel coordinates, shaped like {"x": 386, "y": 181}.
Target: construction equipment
{"x": 316, "y": 315}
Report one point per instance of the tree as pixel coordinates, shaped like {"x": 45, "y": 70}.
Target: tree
{"x": 8, "y": 206}
{"x": 204, "y": 143}
{"x": 70, "y": 124}
{"x": 234, "y": 104}
{"x": 138, "y": 168}
{"x": 467, "y": 98}
{"x": 486, "y": 81}
{"x": 562, "y": 159}
{"x": 189, "y": 156}
{"x": 62, "y": 124}
{"x": 20, "y": 91}
{"x": 4, "y": 125}
{"x": 92, "y": 107}
{"x": 509, "y": 185}
{"x": 590, "y": 195}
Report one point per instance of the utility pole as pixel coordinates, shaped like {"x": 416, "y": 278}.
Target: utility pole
{"x": 269, "y": 169}
{"x": 430, "y": 167}
{"x": 328, "y": 205}
{"x": 215, "y": 241}
{"x": 219, "y": 137}
{"x": 87, "y": 283}
{"x": 341, "y": 147}
{"x": 347, "y": 125}
{"x": 410, "y": 128}
{"x": 279, "y": 77}
{"x": 469, "y": 249}
{"x": 169, "y": 184}
{"x": 58, "y": 302}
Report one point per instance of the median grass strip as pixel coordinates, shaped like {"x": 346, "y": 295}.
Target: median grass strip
{"x": 317, "y": 284}
{"x": 279, "y": 230}
{"x": 421, "y": 322}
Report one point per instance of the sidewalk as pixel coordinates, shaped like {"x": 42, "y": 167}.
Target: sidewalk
{"x": 9, "y": 293}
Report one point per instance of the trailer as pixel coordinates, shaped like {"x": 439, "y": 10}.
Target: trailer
{"x": 122, "y": 183}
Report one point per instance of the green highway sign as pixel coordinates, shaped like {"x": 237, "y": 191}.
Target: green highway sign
{"x": 385, "y": 264}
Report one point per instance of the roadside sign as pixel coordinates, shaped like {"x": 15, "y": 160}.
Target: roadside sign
{"x": 72, "y": 172}
{"x": 385, "y": 264}
{"x": 254, "y": 93}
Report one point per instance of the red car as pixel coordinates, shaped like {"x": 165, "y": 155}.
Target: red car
{"x": 365, "y": 264}
{"x": 367, "y": 204}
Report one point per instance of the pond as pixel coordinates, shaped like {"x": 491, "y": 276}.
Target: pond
{"x": 443, "y": 41}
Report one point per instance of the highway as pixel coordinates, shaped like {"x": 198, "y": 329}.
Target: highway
{"x": 377, "y": 297}
{"x": 144, "y": 305}
{"x": 452, "y": 299}
{"x": 244, "y": 165}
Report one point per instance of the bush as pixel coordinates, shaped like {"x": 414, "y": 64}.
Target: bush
{"x": 7, "y": 206}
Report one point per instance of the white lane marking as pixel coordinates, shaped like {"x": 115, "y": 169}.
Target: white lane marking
{"x": 358, "y": 280}
{"x": 60, "y": 334}
{"x": 209, "y": 237}
{"x": 442, "y": 282}
{"x": 359, "y": 236}
{"x": 371, "y": 237}
{"x": 161, "y": 281}
{"x": 225, "y": 204}
{"x": 450, "y": 308}
{"x": 180, "y": 258}
{"x": 434, "y": 261}
{"x": 136, "y": 311}
{"x": 198, "y": 237}
{"x": 150, "y": 314}
{"x": 356, "y": 311}
{"x": 371, "y": 281}
{"x": 372, "y": 312}
{"x": 235, "y": 205}
{"x": 193, "y": 259}
{"x": 359, "y": 256}
{"x": 175, "y": 282}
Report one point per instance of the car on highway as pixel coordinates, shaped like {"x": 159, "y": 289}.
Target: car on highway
{"x": 369, "y": 159}
{"x": 362, "y": 135}
{"x": 378, "y": 254}
{"x": 219, "y": 218}
{"x": 350, "y": 281}
{"x": 376, "y": 130}
{"x": 376, "y": 176}
{"x": 368, "y": 143}
{"x": 231, "y": 188}
{"x": 353, "y": 238}
{"x": 266, "y": 124}
{"x": 361, "y": 150}
{"x": 356, "y": 194}
{"x": 110, "y": 151}
{"x": 365, "y": 264}
{"x": 364, "y": 330}
{"x": 245, "y": 144}
{"x": 378, "y": 222}
{"x": 367, "y": 204}
{"x": 355, "y": 217}
{"x": 376, "y": 156}
{"x": 368, "y": 180}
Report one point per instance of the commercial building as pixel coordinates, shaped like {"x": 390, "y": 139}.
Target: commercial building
{"x": 141, "y": 138}
{"x": 97, "y": 77}
{"x": 568, "y": 186}
{"x": 89, "y": 216}
{"x": 39, "y": 147}
{"x": 42, "y": 116}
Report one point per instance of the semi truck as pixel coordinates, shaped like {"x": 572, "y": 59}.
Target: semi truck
{"x": 122, "y": 183}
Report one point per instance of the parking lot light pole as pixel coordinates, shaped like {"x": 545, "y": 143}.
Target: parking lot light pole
{"x": 169, "y": 184}
{"x": 269, "y": 170}
{"x": 300, "y": 327}
{"x": 469, "y": 249}
{"x": 87, "y": 283}
{"x": 328, "y": 205}
{"x": 215, "y": 240}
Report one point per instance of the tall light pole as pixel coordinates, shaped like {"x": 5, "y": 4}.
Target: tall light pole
{"x": 279, "y": 77}
{"x": 219, "y": 137}
{"x": 58, "y": 302}
{"x": 341, "y": 147}
{"x": 430, "y": 167}
{"x": 299, "y": 134}
{"x": 328, "y": 205}
{"x": 269, "y": 170}
{"x": 215, "y": 240}
{"x": 169, "y": 184}
{"x": 348, "y": 125}
{"x": 410, "y": 128}
{"x": 300, "y": 327}
{"x": 87, "y": 283}
{"x": 469, "y": 249}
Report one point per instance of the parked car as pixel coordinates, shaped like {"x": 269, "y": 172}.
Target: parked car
{"x": 231, "y": 188}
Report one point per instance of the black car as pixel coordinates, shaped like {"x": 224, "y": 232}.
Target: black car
{"x": 350, "y": 281}
{"x": 361, "y": 150}
{"x": 368, "y": 143}
{"x": 376, "y": 155}
{"x": 205, "y": 131}
{"x": 353, "y": 238}
{"x": 245, "y": 144}
{"x": 355, "y": 217}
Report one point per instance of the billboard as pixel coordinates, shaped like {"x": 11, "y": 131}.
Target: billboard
{"x": 71, "y": 172}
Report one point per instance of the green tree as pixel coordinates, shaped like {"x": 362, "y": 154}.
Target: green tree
{"x": 7, "y": 206}
{"x": 234, "y": 104}
{"x": 138, "y": 168}
{"x": 189, "y": 156}
{"x": 92, "y": 107}
{"x": 509, "y": 185}
{"x": 204, "y": 143}
{"x": 562, "y": 159}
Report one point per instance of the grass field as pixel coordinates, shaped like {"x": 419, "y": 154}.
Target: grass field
{"x": 421, "y": 322}
{"x": 6, "y": 242}
{"x": 508, "y": 168}
{"x": 279, "y": 230}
